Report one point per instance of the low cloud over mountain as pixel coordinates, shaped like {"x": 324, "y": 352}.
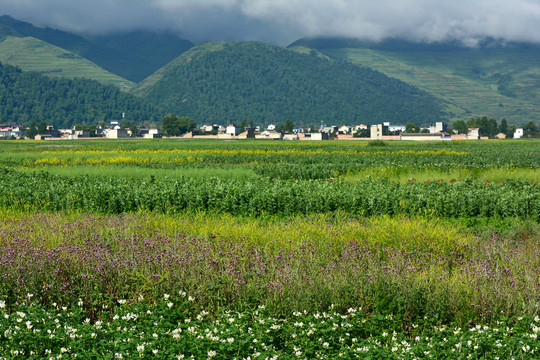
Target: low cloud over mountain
{"x": 283, "y": 21}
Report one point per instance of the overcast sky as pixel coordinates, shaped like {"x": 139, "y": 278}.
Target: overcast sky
{"x": 283, "y": 21}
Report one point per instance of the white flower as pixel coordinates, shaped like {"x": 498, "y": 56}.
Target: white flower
{"x": 122, "y": 301}
{"x": 170, "y": 305}
{"x": 155, "y": 351}
{"x": 230, "y": 340}
{"x": 211, "y": 353}
{"x": 166, "y": 296}
{"x": 2, "y": 304}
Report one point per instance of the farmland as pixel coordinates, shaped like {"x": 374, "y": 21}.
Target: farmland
{"x": 208, "y": 249}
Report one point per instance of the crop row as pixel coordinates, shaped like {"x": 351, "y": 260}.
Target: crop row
{"x": 174, "y": 329}
{"x": 337, "y": 157}
{"x": 467, "y": 198}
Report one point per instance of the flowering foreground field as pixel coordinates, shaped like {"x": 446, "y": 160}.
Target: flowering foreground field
{"x": 265, "y": 250}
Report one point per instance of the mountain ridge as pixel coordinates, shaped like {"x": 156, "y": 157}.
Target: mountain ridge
{"x": 132, "y": 55}
{"x": 228, "y": 81}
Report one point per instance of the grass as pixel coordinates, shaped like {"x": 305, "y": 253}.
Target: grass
{"x": 412, "y": 267}
{"x": 31, "y": 54}
{"x": 407, "y": 174}
{"x": 136, "y": 172}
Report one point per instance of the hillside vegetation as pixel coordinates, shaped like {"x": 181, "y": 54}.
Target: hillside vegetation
{"x": 31, "y": 54}
{"x": 26, "y": 96}
{"x": 493, "y": 79}
{"x": 133, "y": 56}
{"x": 227, "y": 82}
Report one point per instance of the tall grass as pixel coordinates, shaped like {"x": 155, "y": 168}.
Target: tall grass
{"x": 385, "y": 265}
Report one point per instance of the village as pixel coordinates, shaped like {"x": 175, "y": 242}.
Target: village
{"x": 385, "y": 131}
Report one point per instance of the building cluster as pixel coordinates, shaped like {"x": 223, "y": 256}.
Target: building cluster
{"x": 384, "y": 131}
{"x": 11, "y": 131}
{"x": 112, "y": 131}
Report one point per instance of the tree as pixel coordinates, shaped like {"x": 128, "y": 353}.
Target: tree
{"x": 471, "y": 123}
{"x": 42, "y": 127}
{"x": 511, "y": 131}
{"x": 503, "y": 127}
{"x": 362, "y": 133}
{"x": 32, "y": 130}
{"x": 460, "y": 126}
{"x": 411, "y": 128}
{"x": 288, "y": 126}
{"x": 176, "y": 126}
{"x": 131, "y": 125}
{"x": 530, "y": 129}
{"x": 492, "y": 128}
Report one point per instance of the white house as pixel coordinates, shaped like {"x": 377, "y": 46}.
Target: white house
{"x": 438, "y": 127}
{"x": 377, "y": 131}
{"x": 518, "y": 134}
{"x": 394, "y": 128}
{"x": 232, "y": 130}
{"x": 473, "y": 134}
{"x": 345, "y": 129}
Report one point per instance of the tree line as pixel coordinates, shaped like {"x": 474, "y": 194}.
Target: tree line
{"x": 490, "y": 127}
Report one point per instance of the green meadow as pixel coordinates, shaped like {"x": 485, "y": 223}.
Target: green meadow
{"x": 196, "y": 249}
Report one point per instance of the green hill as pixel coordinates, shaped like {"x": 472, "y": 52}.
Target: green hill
{"x": 493, "y": 79}
{"x": 27, "y": 96}
{"x": 31, "y": 54}
{"x": 133, "y": 56}
{"x": 227, "y": 82}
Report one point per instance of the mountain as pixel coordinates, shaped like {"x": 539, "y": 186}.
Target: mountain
{"x": 493, "y": 78}
{"x": 227, "y": 82}
{"x": 31, "y": 54}
{"x": 27, "y": 96}
{"x": 132, "y": 56}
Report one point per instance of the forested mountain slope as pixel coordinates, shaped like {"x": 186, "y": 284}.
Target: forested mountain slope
{"x": 227, "y": 82}
{"x": 26, "y": 96}
{"x": 492, "y": 79}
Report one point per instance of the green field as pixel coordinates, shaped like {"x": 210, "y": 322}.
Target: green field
{"x": 234, "y": 249}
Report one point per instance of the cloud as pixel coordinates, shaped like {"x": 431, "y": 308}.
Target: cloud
{"x": 283, "y": 21}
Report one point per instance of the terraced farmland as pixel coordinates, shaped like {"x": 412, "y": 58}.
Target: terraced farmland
{"x": 496, "y": 84}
